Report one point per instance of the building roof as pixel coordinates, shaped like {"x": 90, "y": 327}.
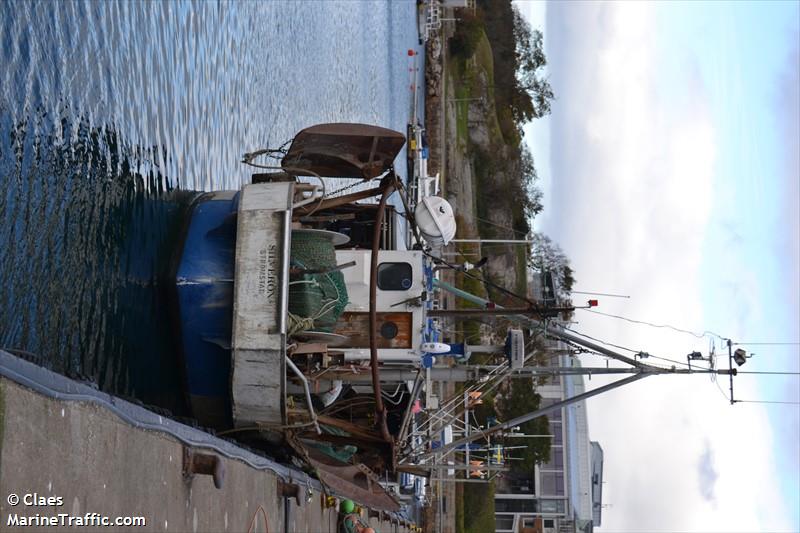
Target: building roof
{"x": 576, "y": 445}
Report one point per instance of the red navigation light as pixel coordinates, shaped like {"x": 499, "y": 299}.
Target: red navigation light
{"x": 593, "y": 303}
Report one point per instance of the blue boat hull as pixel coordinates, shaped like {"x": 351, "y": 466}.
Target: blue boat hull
{"x": 204, "y": 287}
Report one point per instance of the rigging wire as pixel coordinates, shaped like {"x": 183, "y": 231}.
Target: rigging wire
{"x": 766, "y": 343}
{"x": 673, "y": 361}
{"x": 768, "y": 372}
{"x": 714, "y": 380}
{"x": 705, "y": 333}
{"x": 766, "y": 401}
{"x": 501, "y": 226}
{"x": 602, "y": 342}
{"x": 724, "y": 394}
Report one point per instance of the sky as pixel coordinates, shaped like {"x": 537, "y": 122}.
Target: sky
{"x": 670, "y": 171}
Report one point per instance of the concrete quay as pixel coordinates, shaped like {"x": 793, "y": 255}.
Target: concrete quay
{"x": 78, "y": 454}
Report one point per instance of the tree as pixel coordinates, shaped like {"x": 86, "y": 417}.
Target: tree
{"x": 522, "y": 399}
{"x": 528, "y": 177}
{"x": 546, "y": 256}
{"x": 533, "y": 92}
{"x": 533, "y": 201}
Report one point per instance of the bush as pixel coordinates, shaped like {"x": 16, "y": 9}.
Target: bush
{"x": 479, "y": 507}
{"x": 467, "y": 36}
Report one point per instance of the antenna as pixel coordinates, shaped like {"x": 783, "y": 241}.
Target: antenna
{"x": 601, "y": 294}
{"x": 712, "y": 354}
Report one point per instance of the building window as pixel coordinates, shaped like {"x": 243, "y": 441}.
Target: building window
{"x": 552, "y": 483}
{"x": 527, "y": 505}
{"x": 550, "y": 523}
{"x": 504, "y": 522}
{"x": 556, "y": 461}
{"x": 521, "y": 486}
{"x": 552, "y": 506}
{"x": 555, "y": 429}
{"x": 395, "y": 276}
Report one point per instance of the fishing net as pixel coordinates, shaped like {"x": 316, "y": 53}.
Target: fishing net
{"x": 320, "y": 297}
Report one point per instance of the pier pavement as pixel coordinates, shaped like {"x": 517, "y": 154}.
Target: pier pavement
{"x": 71, "y": 459}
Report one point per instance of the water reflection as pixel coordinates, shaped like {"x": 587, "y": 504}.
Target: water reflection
{"x": 110, "y": 111}
{"x": 89, "y": 227}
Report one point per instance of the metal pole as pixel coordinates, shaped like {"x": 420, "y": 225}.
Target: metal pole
{"x": 535, "y": 371}
{"x": 477, "y": 299}
{"x": 307, "y": 390}
{"x": 462, "y": 294}
{"x": 456, "y": 254}
{"x": 535, "y": 414}
{"x": 601, "y": 294}
{"x": 483, "y": 348}
{"x": 466, "y": 480}
{"x": 466, "y": 373}
{"x": 505, "y": 241}
{"x": 499, "y": 311}
{"x": 558, "y": 332}
{"x": 466, "y": 424}
{"x": 488, "y": 468}
{"x": 407, "y": 415}
{"x": 730, "y": 366}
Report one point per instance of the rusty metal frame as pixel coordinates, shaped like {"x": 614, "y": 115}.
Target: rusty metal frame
{"x": 380, "y": 409}
{"x": 357, "y": 482}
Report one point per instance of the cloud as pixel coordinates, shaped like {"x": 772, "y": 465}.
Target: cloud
{"x": 620, "y": 161}
{"x": 706, "y": 474}
{"x": 787, "y": 246}
{"x": 634, "y": 154}
{"x": 787, "y": 112}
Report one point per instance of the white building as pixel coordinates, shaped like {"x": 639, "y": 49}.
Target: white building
{"x": 563, "y": 495}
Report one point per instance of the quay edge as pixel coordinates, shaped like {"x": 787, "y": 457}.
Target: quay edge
{"x": 101, "y": 454}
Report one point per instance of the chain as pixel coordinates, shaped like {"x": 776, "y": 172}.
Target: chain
{"x": 347, "y": 187}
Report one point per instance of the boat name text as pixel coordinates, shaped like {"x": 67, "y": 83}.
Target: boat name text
{"x": 268, "y": 271}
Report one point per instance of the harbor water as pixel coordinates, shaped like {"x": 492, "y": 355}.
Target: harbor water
{"x": 113, "y": 113}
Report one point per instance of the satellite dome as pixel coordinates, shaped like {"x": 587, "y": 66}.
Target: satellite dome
{"x": 435, "y": 220}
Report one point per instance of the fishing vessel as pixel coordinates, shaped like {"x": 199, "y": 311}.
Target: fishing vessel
{"x": 290, "y": 300}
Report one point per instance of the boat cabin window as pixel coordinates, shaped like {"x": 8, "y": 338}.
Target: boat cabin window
{"x": 389, "y": 330}
{"x": 395, "y": 276}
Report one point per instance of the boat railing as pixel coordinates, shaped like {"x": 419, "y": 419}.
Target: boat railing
{"x": 307, "y": 390}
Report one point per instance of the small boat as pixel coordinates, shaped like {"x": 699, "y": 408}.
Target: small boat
{"x": 290, "y": 301}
